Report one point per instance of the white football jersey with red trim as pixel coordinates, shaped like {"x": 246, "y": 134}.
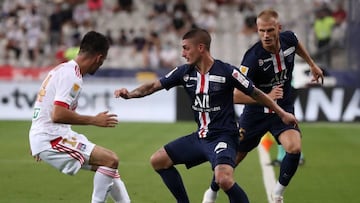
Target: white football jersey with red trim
{"x": 62, "y": 86}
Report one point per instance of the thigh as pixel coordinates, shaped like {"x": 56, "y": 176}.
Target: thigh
{"x": 280, "y": 128}
{"x": 65, "y": 162}
{"x": 75, "y": 146}
{"x": 252, "y": 128}
{"x": 221, "y": 150}
{"x": 186, "y": 150}
{"x": 101, "y": 156}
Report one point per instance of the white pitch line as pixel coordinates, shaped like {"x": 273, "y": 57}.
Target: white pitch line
{"x": 267, "y": 171}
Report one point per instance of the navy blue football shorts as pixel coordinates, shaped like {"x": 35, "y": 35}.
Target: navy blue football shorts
{"x": 192, "y": 150}
{"x": 254, "y": 125}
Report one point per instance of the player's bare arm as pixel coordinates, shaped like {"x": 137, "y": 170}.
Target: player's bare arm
{"x": 142, "y": 91}
{"x": 264, "y": 99}
{"x": 317, "y": 73}
{"x": 63, "y": 115}
{"x": 241, "y": 98}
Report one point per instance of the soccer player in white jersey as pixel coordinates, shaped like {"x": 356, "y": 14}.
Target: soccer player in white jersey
{"x": 51, "y": 137}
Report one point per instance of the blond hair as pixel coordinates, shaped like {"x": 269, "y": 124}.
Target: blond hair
{"x": 267, "y": 14}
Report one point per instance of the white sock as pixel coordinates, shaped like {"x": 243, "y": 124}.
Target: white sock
{"x": 118, "y": 191}
{"x": 103, "y": 180}
{"x": 279, "y": 189}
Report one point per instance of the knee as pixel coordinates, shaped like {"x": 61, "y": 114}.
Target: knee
{"x": 294, "y": 148}
{"x": 225, "y": 182}
{"x": 113, "y": 160}
{"x": 153, "y": 161}
{"x": 156, "y": 162}
{"x": 160, "y": 160}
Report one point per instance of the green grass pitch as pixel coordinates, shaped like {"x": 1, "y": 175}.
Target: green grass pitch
{"x": 330, "y": 174}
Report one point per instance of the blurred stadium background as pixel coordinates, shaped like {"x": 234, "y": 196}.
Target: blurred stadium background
{"x": 35, "y": 35}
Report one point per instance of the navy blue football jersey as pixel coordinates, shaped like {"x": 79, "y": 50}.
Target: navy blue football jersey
{"x": 211, "y": 95}
{"x": 267, "y": 70}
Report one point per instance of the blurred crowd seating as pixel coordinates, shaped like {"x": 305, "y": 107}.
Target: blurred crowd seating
{"x": 144, "y": 34}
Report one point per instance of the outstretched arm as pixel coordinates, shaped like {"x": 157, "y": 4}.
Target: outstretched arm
{"x": 315, "y": 70}
{"x": 265, "y": 100}
{"x": 142, "y": 91}
{"x": 63, "y": 115}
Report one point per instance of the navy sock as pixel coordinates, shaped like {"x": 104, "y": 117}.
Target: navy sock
{"x": 214, "y": 186}
{"x": 288, "y": 168}
{"x": 237, "y": 195}
{"x": 173, "y": 181}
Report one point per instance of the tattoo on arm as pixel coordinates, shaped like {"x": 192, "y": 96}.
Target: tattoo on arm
{"x": 257, "y": 95}
{"x": 145, "y": 89}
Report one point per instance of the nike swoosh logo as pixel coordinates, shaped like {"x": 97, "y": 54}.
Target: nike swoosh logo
{"x": 219, "y": 150}
{"x": 189, "y": 85}
{"x": 267, "y": 67}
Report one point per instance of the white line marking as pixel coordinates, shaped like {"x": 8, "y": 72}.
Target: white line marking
{"x": 267, "y": 171}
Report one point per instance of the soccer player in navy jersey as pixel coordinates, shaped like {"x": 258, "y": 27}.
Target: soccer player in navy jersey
{"x": 269, "y": 64}
{"x": 210, "y": 85}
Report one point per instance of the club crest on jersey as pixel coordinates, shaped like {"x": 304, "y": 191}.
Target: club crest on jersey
{"x": 261, "y": 62}
{"x": 75, "y": 90}
{"x": 81, "y": 146}
{"x": 186, "y": 77}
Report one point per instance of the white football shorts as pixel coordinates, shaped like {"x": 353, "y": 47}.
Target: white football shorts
{"x": 69, "y": 153}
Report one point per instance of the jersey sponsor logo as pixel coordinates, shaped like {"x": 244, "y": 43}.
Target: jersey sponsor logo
{"x": 221, "y": 146}
{"x": 216, "y": 78}
{"x": 202, "y": 104}
{"x": 244, "y": 70}
{"x": 202, "y": 101}
{"x": 289, "y": 51}
{"x": 171, "y": 72}
{"x": 206, "y": 110}
{"x": 267, "y": 60}
{"x": 75, "y": 90}
{"x": 241, "y": 78}
{"x": 263, "y": 61}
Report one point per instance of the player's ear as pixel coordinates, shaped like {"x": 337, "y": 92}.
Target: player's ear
{"x": 99, "y": 58}
{"x": 280, "y": 27}
{"x": 201, "y": 47}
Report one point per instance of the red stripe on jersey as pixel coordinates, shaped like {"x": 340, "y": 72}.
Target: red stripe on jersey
{"x": 278, "y": 61}
{"x": 202, "y": 83}
{"x": 63, "y": 104}
{"x": 202, "y": 131}
{"x": 203, "y": 116}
